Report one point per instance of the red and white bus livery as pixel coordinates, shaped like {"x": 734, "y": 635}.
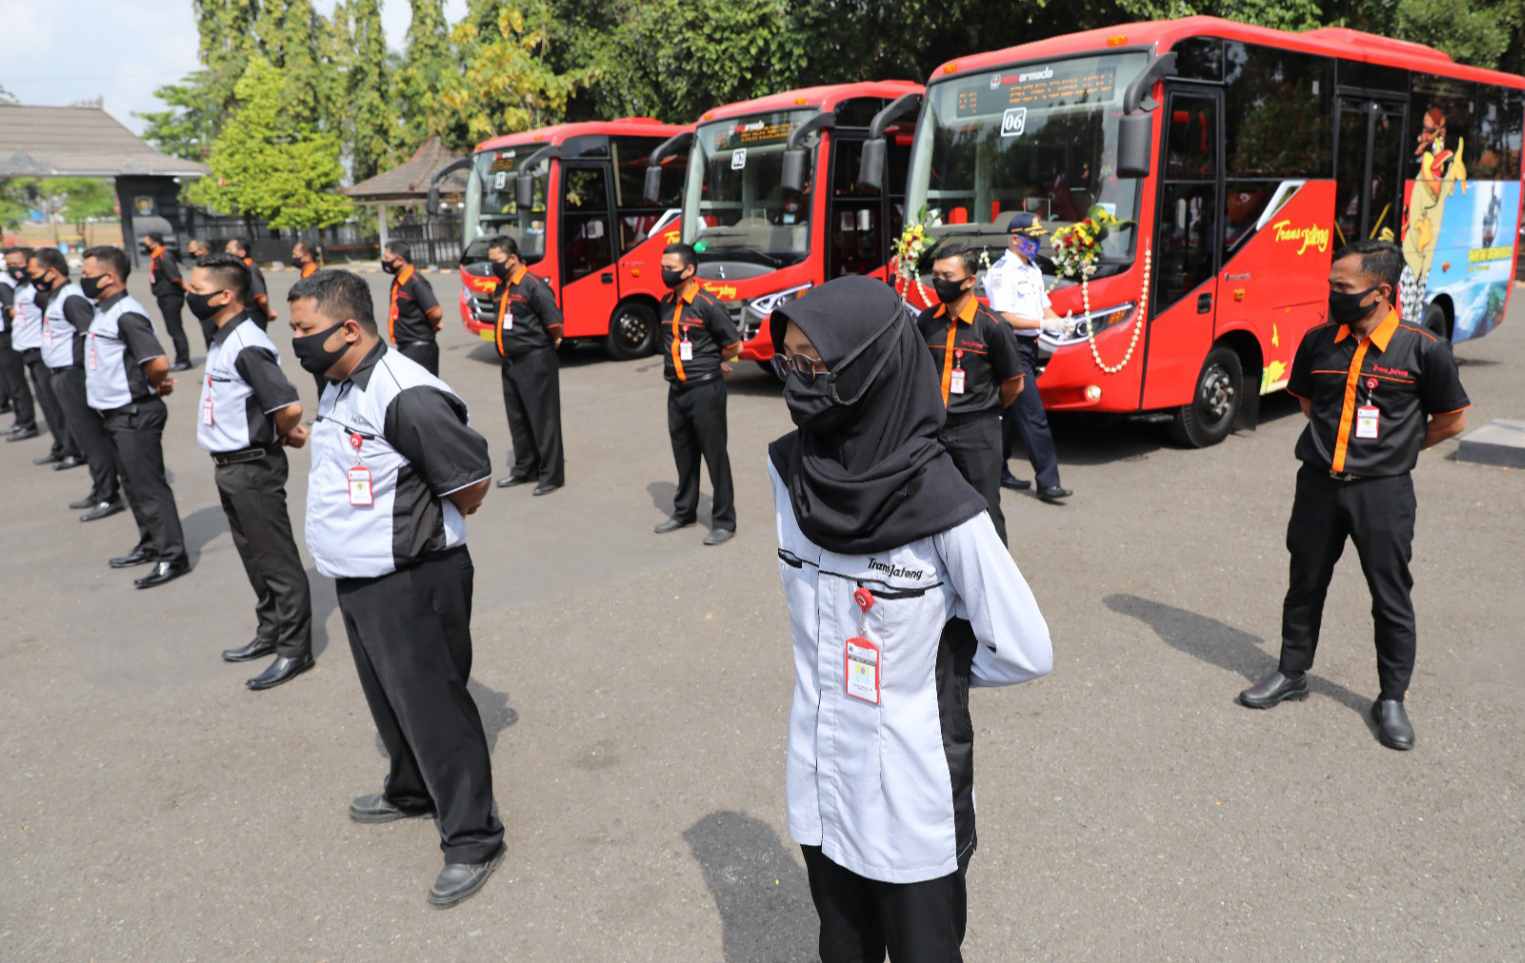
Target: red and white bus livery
{"x": 1241, "y": 159}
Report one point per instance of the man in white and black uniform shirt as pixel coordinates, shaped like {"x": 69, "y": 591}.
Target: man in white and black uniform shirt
{"x": 126, "y": 372}
{"x": 27, "y": 339}
{"x": 66, "y": 319}
{"x": 11, "y": 284}
{"x": 901, "y": 595}
{"x": 248, "y": 410}
{"x": 1017, "y": 294}
{"x": 395, "y": 470}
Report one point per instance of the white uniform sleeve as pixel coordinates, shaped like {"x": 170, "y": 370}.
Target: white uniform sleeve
{"x": 998, "y": 288}
{"x": 1013, "y": 637}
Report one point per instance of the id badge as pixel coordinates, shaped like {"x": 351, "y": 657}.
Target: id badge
{"x": 360, "y": 487}
{"x": 956, "y": 381}
{"x": 508, "y": 321}
{"x": 685, "y": 350}
{"x": 861, "y": 660}
{"x": 207, "y": 404}
{"x": 93, "y": 360}
{"x": 1366, "y": 421}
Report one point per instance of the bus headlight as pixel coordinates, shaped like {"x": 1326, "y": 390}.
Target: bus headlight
{"x": 1078, "y": 329}
{"x": 765, "y": 305}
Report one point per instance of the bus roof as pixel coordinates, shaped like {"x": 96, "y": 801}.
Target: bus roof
{"x": 560, "y": 133}
{"x": 821, "y": 98}
{"x": 1162, "y": 34}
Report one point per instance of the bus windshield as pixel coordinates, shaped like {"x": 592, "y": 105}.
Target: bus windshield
{"x": 735, "y": 204}
{"x": 1039, "y": 137}
{"x": 492, "y": 207}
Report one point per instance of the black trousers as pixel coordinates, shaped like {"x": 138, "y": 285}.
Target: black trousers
{"x": 532, "y": 400}
{"x": 410, "y": 633}
{"x": 42, "y": 387}
{"x": 1378, "y": 515}
{"x": 974, "y": 441}
{"x": 88, "y": 432}
{"x": 20, "y": 393}
{"x": 696, "y": 423}
{"x": 137, "y": 434}
{"x": 425, "y": 353}
{"x": 170, "y": 307}
{"x": 253, "y": 497}
{"x": 862, "y": 919}
{"x": 1027, "y": 421}
{"x": 6, "y": 376}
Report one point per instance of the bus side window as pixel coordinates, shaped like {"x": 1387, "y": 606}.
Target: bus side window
{"x": 1188, "y": 228}
{"x": 587, "y": 240}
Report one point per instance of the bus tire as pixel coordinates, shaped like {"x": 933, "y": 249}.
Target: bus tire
{"x": 1209, "y": 417}
{"x": 1435, "y": 320}
{"x": 632, "y": 331}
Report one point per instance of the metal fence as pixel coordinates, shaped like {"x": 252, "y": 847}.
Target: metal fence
{"x": 433, "y": 240}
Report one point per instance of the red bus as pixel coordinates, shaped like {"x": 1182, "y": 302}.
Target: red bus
{"x": 1243, "y": 158}
{"x": 772, "y": 200}
{"x": 597, "y": 242}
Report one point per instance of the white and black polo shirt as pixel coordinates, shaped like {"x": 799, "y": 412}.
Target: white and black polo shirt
{"x": 65, "y": 322}
{"x": 26, "y": 327}
{"x": 7, "y": 299}
{"x": 410, "y": 433}
{"x": 120, "y": 342}
{"x": 242, "y": 388}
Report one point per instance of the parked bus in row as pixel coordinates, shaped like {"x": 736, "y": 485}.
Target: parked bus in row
{"x": 1239, "y": 159}
{"x": 772, "y": 200}
{"x": 572, "y": 197}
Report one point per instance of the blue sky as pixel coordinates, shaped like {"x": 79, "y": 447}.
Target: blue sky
{"x": 64, "y": 51}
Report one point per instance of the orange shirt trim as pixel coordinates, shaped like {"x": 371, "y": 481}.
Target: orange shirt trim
{"x": 1381, "y": 337}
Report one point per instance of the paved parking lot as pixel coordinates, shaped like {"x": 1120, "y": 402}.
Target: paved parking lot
{"x": 635, "y": 691}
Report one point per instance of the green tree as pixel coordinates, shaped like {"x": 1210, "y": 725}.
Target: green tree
{"x": 271, "y": 163}
{"x": 289, "y": 32}
{"x": 374, "y": 134}
{"x": 427, "y": 64}
{"x": 80, "y": 200}
{"x": 226, "y": 31}
{"x": 189, "y": 124}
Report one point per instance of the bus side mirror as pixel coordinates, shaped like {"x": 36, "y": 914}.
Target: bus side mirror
{"x": 433, "y": 205}
{"x": 792, "y": 176}
{"x": 652, "y": 192}
{"x": 524, "y": 192}
{"x": 1135, "y": 133}
{"x": 871, "y": 164}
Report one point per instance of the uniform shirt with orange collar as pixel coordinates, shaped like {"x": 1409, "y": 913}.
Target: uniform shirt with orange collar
{"x": 694, "y": 315}
{"x": 1371, "y": 398}
{"x": 309, "y": 268}
{"x": 528, "y": 318}
{"x": 412, "y": 299}
{"x": 259, "y": 293}
{"x": 981, "y": 345}
{"x": 164, "y": 274}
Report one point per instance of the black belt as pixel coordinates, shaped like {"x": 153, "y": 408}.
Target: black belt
{"x": 225, "y": 458}
{"x": 695, "y": 381}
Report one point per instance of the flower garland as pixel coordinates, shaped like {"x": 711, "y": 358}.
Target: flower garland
{"x": 914, "y": 242}
{"x": 1077, "y": 247}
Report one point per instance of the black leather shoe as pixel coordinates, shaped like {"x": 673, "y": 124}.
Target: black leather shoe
{"x": 257, "y": 649}
{"x": 138, "y": 556}
{"x": 1272, "y": 689}
{"x": 719, "y": 536}
{"x": 377, "y": 808}
{"x": 542, "y": 490}
{"x": 283, "y": 669}
{"x": 64, "y": 464}
{"x": 513, "y": 481}
{"x": 458, "y": 881}
{"x": 23, "y": 434}
{"x": 89, "y": 501}
{"x": 180, "y": 366}
{"x": 103, "y": 510}
{"x": 672, "y": 524}
{"x": 1393, "y": 727}
{"x": 1015, "y": 484}
{"x": 163, "y": 572}
{"x": 1054, "y": 495}
{"x": 51, "y": 458}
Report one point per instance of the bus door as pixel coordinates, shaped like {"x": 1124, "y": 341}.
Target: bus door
{"x": 1186, "y": 239}
{"x": 589, "y": 289}
{"x": 1369, "y": 154}
{"x": 863, "y": 222}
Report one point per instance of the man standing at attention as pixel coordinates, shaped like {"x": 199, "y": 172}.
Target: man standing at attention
{"x": 414, "y": 315}
{"x": 169, "y": 291}
{"x": 15, "y": 283}
{"x": 1376, "y": 392}
{"x": 259, "y": 296}
{"x": 527, "y": 333}
{"x": 395, "y": 471}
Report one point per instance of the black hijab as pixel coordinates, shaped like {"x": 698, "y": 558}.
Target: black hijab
{"x": 880, "y": 478}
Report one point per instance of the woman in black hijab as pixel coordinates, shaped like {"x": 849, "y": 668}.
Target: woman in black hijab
{"x": 901, "y": 595}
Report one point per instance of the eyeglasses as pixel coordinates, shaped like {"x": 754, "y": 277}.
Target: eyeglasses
{"x": 801, "y": 366}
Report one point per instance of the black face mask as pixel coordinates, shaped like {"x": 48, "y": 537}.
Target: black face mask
{"x": 201, "y": 305}
{"x": 18, "y": 275}
{"x": 673, "y": 279}
{"x": 42, "y": 284}
{"x": 948, "y": 291}
{"x": 499, "y": 270}
{"x": 818, "y": 408}
{"x": 1346, "y": 308}
{"x": 313, "y": 356}
{"x": 389, "y": 266}
{"x": 91, "y": 287}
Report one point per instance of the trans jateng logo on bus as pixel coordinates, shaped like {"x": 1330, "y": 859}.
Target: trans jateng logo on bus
{"x": 1013, "y": 121}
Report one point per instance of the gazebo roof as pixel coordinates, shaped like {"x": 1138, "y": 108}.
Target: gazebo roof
{"x": 80, "y": 141}
{"x": 410, "y": 181}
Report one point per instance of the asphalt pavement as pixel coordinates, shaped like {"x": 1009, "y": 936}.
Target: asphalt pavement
{"x": 635, "y": 691}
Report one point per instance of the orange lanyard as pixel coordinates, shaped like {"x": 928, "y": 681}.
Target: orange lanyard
{"x": 403, "y": 277}
{"x": 947, "y": 382}
{"x": 677, "y": 353}
{"x": 502, "y": 310}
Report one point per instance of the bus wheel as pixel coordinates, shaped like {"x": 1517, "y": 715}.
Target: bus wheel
{"x": 632, "y": 331}
{"x": 1435, "y": 320}
{"x": 1210, "y": 416}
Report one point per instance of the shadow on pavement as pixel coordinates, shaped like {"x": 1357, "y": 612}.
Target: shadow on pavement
{"x": 324, "y": 602}
{"x": 1222, "y": 645}
{"x": 662, "y": 495}
{"x": 760, "y": 891}
{"x": 492, "y": 706}
{"x": 200, "y": 528}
